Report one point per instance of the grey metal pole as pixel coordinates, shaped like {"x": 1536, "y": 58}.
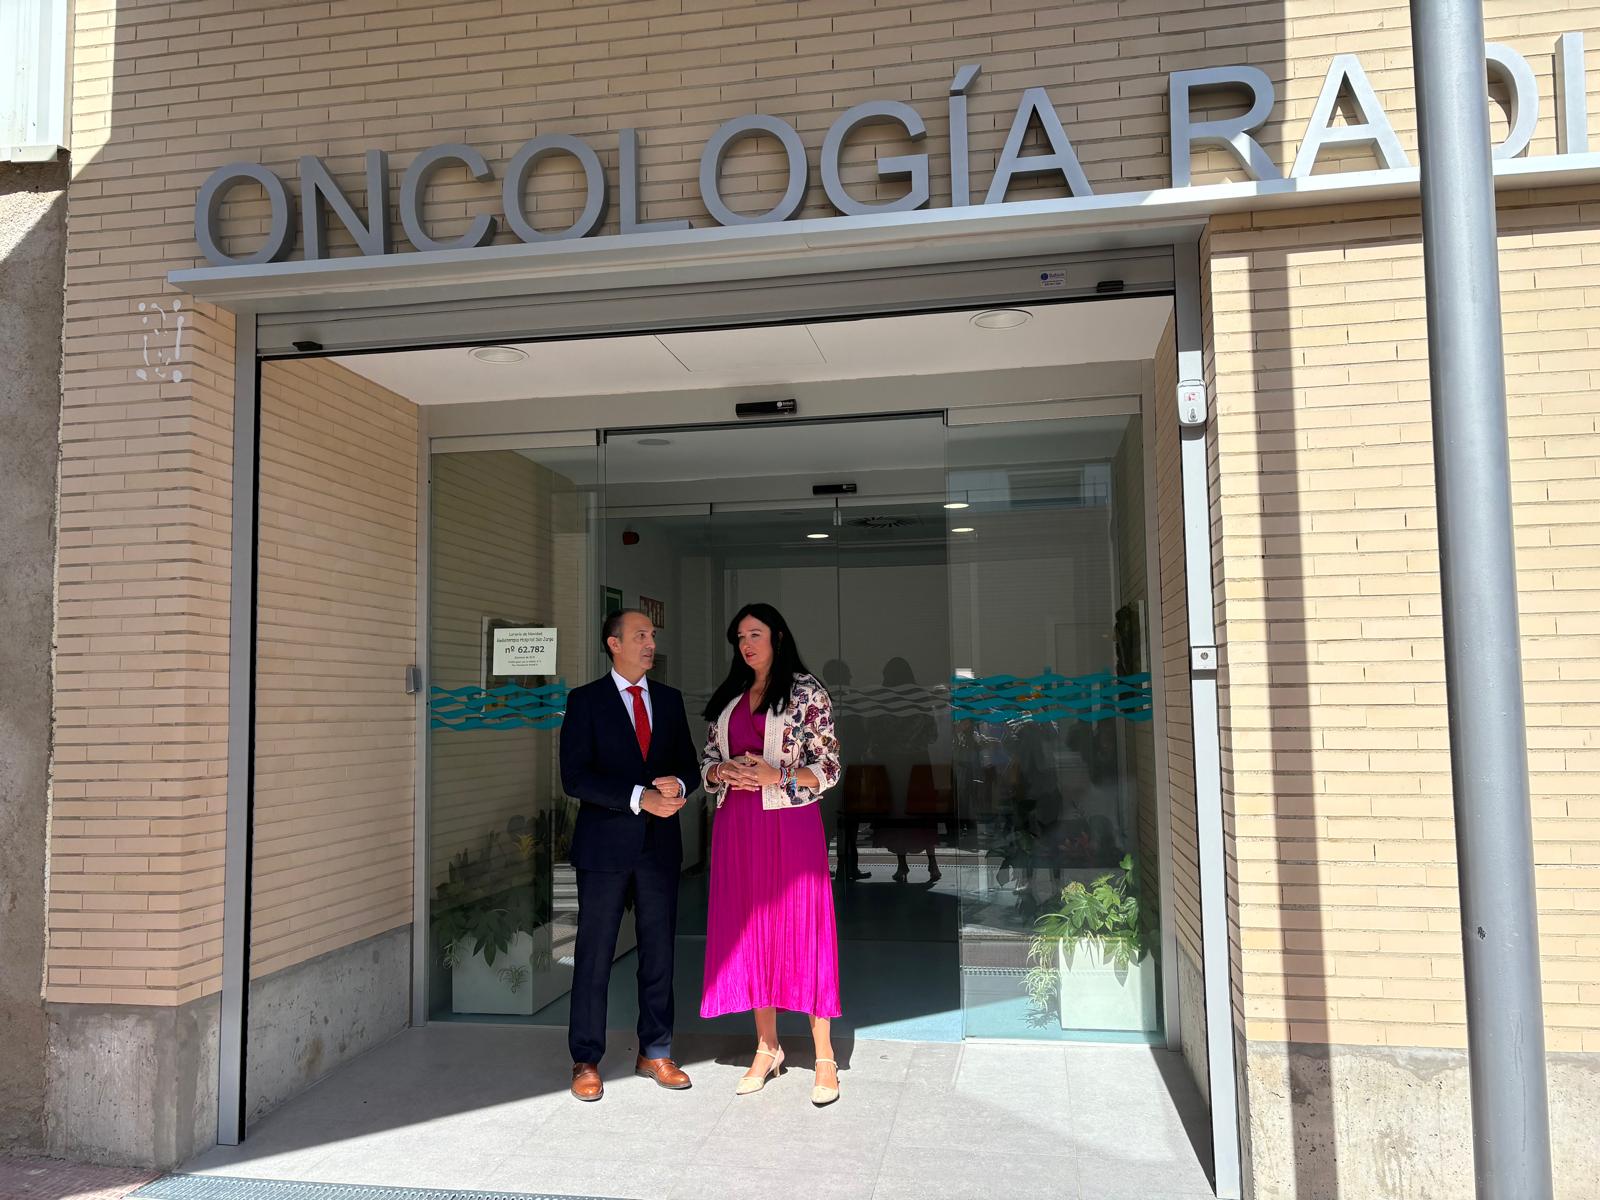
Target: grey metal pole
{"x": 1477, "y": 568}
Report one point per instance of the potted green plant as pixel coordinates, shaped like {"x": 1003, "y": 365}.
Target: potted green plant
{"x": 491, "y": 919}
{"x": 1090, "y": 957}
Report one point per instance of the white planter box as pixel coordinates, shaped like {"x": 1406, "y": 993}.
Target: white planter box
{"x": 518, "y": 984}
{"x": 1097, "y": 994}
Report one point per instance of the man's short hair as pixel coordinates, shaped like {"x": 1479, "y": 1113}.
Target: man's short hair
{"x": 612, "y": 628}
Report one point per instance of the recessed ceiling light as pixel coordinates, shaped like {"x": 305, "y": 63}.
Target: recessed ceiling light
{"x": 1002, "y": 318}
{"x": 655, "y": 441}
{"x": 817, "y": 537}
{"x": 499, "y": 355}
{"x": 958, "y": 504}
{"x": 962, "y": 529}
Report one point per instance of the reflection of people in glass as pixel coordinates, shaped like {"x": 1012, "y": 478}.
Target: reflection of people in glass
{"x": 1036, "y": 810}
{"x": 900, "y": 737}
{"x": 852, "y": 731}
{"x": 771, "y": 938}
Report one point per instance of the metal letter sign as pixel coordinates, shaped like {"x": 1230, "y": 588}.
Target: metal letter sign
{"x": 521, "y": 168}
{"x": 1572, "y": 98}
{"x": 717, "y": 149}
{"x": 1036, "y": 103}
{"x": 317, "y": 187}
{"x": 1231, "y": 133}
{"x": 1511, "y": 69}
{"x": 1372, "y": 127}
{"x": 914, "y": 166}
{"x": 1236, "y": 135}
{"x": 415, "y": 184}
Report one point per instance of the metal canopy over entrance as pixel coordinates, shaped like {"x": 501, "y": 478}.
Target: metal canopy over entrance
{"x": 942, "y": 270}
{"x": 712, "y": 302}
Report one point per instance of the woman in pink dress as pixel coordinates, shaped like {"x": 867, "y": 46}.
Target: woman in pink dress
{"x": 771, "y": 942}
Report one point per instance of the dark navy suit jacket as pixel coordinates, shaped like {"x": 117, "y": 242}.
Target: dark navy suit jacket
{"x": 601, "y": 764}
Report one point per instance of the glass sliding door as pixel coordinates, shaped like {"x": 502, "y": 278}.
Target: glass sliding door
{"x": 1052, "y": 732}
{"x": 977, "y": 608}
{"x": 515, "y": 607}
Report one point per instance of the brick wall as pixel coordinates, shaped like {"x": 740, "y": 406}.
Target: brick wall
{"x": 165, "y": 92}
{"x": 321, "y": 79}
{"x": 1335, "y": 747}
{"x": 336, "y": 627}
{"x": 414, "y": 75}
{"x": 140, "y": 754}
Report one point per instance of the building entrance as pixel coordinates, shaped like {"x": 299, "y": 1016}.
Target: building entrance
{"x": 972, "y": 592}
{"x": 959, "y": 523}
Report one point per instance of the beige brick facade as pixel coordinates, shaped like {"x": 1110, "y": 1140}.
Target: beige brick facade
{"x": 1336, "y": 751}
{"x": 1336, "y": 786}
{"x": 139, "y": 763}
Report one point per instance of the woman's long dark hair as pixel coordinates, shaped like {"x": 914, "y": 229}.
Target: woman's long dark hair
{"x": 786, "y": 663}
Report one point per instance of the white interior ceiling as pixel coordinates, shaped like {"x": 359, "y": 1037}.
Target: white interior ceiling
{"x": 834, "y": 452}
{"x": 827, "y": 450}
{"x": 872, "y": 347}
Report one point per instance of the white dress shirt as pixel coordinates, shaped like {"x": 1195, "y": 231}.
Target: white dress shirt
{"x": 650, "y": 715}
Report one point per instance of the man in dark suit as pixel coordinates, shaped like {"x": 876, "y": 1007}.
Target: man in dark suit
{"x": 627, "y": 755}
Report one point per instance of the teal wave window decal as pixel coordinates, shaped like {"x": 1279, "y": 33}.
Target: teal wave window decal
{"x": 1050, "y": 697}
{"x": 508, "y": 707}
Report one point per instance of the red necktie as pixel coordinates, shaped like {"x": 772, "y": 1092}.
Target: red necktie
{"x": 641, "y": 720}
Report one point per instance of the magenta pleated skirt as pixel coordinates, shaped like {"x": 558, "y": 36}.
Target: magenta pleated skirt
{"x": 771, "y": 941}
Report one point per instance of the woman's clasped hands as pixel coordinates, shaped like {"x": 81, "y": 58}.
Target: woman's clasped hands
{"x": 748, "y": 771}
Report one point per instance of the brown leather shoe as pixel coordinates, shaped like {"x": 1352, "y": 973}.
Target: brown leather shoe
{"x": 663, "y": 1070}
{"x": 586, "y": 1082}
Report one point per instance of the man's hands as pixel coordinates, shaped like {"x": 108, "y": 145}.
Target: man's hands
{"x": 662, "y": 798}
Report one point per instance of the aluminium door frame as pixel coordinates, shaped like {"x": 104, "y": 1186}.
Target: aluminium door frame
{"x": 849, "y": 298}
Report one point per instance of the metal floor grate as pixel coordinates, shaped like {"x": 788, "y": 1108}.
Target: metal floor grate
{"x": 228, "y": 1187}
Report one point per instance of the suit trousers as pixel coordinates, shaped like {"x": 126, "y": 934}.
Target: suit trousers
{"x": 602, "y": 896}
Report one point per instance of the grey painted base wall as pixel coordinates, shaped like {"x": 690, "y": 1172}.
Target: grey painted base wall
{"x": 32, "y": 260}
{"x": 309, "y": 1018}
{"x": 132, "y": 1084}
{"x": 137, "y": 1085}
{"x": 1386, "y": 1123}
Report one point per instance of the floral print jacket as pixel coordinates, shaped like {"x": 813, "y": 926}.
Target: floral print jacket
{"x": 799, "y": 736}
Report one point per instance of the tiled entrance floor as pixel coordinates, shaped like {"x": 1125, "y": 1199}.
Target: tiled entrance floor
{"x": 486, "y": 1107}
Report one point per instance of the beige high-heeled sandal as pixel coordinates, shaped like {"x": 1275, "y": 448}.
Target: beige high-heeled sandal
{"x": 750, "y": 1084}
{"x": 824, "y": 1096}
